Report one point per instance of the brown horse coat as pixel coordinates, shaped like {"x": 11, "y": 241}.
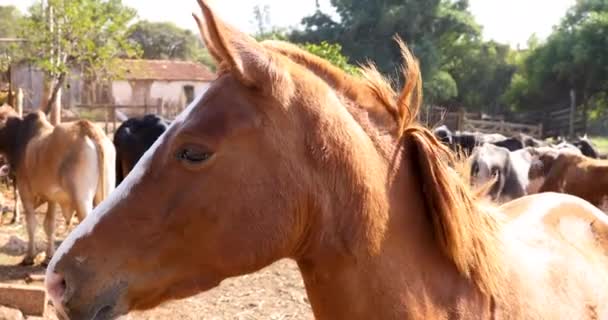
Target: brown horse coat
{"x": 71, "y": 164}
{"x": 571, "y": 173}
{"x": 282, "y": 158}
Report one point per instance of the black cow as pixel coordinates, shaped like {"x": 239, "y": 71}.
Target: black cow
{"x": 132, "y": 140}
{"x": 459, "y": 141}
{"x": 465, "y": 142}
{"x": 512, "y": 144}
{"x": 519, "y": 142}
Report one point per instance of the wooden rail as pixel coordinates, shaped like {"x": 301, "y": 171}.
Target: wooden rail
{"x": 503, "y": 127}
{"x": 110, "y": 118}
{"x": 568, "y": 121}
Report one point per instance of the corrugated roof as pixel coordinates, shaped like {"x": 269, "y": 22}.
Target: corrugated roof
{"x": 166, "y": 70}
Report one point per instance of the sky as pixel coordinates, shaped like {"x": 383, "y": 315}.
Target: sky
{"x": 510, "y": 21}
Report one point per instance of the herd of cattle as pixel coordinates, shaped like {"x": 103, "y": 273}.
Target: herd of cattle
{"x": 512, "y": 167}
{"x": 72, "y": 165}
{"x": 75, "y": 165}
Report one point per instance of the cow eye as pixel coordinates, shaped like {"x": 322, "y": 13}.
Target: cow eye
{"x": 475, "y": 169}
{"x": 193, "y": 154}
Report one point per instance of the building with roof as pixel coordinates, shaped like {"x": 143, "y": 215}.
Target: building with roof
{"x": 176, "y": 83}
{"x": 141, "y": 82}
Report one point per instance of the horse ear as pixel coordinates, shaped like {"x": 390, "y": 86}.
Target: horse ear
{"x": 235, "y": 51}
{"x": 206, "y": 40}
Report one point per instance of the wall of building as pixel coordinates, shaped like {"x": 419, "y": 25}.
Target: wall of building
{"x": 143, "y": 92}
{"x": 122, "y": 92}
{"x": 30, "y": 80}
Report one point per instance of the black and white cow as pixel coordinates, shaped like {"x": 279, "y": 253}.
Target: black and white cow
{"x": 587, "y": 147}
{"x": 509, "y": 169}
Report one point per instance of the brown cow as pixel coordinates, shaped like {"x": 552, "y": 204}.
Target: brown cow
{"x": 70, "y": 165}
{"x": 570, "y": 172}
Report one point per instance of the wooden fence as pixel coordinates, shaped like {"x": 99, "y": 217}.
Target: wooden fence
{"x": 112, "y": 114}
{"x": 474, "y": 121}
{"x": 564, "y": 122}
{"x": 503, "y": 127}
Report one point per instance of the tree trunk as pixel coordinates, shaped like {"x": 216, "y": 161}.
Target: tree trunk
{"x": 11, "y": 99}
{"x": 46, "y": 92}
{"x": 55, "y": 118}
{"x": 585, "y": 109}
{"x": 58, "y": 84}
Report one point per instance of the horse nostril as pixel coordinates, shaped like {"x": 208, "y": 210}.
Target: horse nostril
{"x": 56, "y": 287}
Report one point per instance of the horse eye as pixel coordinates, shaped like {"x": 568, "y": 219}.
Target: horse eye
{"x": 193, "y": 155}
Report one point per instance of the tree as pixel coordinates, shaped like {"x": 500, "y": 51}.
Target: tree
{"x": 483, "y": 72}
{"x": 263, "y": 23}
{"x": 68, "y": 34}
{"x": 331, "y": 53}
{"x": 10, "y": 21}
{"x": 164, "y": 40}
{"x": 574, "y": 57}
{"x": 436, "y": 30}
{"x": 261, "y": 19}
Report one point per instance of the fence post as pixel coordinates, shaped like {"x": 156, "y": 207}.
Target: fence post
{"x": 107, "y": 118}
{"x": 572, "y": 112}
{"x": 461, "y": 119}
{"x": 17, "y": 210}
{"x": 19, "y": 104}
{"x": 159, "y": 107}
{"x": 113, "y": 116}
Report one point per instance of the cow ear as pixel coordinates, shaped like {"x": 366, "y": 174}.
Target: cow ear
{"x": 235, "y": 51}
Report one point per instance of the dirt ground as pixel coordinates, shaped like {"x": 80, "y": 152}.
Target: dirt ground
{"x": 275, "y": 293}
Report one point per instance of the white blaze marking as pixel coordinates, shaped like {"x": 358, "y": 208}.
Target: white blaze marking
{"x": 89, "y": 223}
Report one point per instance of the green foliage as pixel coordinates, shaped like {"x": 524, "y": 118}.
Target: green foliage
{"x": 331, "y": 53}
{"x": 457, "y": 66}
{"x": 483, "y": 72}
{"x": 441, "y": 87}
{"x": 10, "y": 21}
{"x": 574, "y": 57}
{"x": 87, "y": 33}
{"x": 164, "y": 40}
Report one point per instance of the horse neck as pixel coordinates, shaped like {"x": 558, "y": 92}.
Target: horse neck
{"x": 378, "y": 258}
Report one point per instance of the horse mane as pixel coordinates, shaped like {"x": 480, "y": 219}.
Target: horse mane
{"x": 466, "y": 233}
{"x": 368, "y": 92}
{"x": 465, "y": 228}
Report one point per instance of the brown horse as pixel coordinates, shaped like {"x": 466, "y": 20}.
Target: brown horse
{"x": 281, "y": 158}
